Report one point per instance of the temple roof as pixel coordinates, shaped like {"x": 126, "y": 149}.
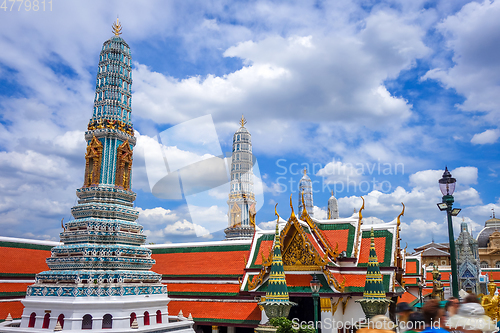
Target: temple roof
{"x": 433, "y": 252}
{"x": 483, "y": 236}
{"x": 434, "y": 245}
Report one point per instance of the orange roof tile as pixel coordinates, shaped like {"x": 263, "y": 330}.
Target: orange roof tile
{"x": 13, "y": 287}
{"x": 14, "y": 308}
{"x": 27, "y": 261}
{"x": 265, "y": 248}
{"x": 200, "y": 263}
{"x": 411, "y": 267}
{"x": 298, "y": 280}
{"x": 406, "y": 297}
{"x": 365, "y": 249}
{"x": 337, "y": 237}
{"x": 203, "y": 287}
{"x": 354, "y": 280}
{"x": 208, "y": 311}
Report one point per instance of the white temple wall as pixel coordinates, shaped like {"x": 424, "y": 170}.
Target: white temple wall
{"x": 119, "y": 307}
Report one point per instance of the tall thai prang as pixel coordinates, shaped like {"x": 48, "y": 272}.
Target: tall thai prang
{"x": 305, "y": 187}
{"x": 100, "y": 276}
{"x": 374, "y": 301}
{"x": 277, "y": 303}
{"x": 241, "y": 200}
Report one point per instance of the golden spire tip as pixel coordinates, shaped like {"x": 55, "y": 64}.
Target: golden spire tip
{"x": 117, "y": 28}
{"x": 243, "y": 121}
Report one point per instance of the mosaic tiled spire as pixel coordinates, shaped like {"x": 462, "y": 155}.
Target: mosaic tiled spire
{"x": 276, "y": 288}
{"x": 241, "y": 200}
{"x": 373, "y": 301}
{"x": 305, "y": 187}
{"x": 333, "y": 208}
{"x": 102, "y": 244}
{"x": 374, "y": 287}
{"x": 277, "y": 303}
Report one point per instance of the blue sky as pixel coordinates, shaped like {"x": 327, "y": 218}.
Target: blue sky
{"x": 377, "y": 95}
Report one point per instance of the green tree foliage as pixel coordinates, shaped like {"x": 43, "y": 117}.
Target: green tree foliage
{"x": 285, "y": 325}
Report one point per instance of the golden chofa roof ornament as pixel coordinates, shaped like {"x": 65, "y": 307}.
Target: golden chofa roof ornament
{"x": 243, "y": 121}
{"x": 117, "y": 28}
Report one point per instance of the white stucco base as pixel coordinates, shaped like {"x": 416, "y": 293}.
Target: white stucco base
{"x": 119, "y": 307}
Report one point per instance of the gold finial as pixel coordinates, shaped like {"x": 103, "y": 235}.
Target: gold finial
{"x": 117, "y": 28}
{"x": 62, "y": 224}
{"x": 304, "y": 211}
{"x": 401, "y": 214}
{"x": 332, "y": 193}
{"x": 362, "y": 207}
{"x": 291, "y": 206}
{"x": 243, "y": 121}
{"x": 305, "y": 170}
{"x": 276, "y": 213}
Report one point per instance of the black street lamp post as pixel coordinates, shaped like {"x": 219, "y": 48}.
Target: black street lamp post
{"x": 315, "y": 285}
{"x": 447, "y": 187}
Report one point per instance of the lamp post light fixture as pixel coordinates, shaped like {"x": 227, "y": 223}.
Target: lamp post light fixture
{"x": 315, "y": 285}
{"x": 447, "y": 186}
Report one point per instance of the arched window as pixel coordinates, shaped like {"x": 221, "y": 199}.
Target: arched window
{"x": 237, "y": 157}
{"x": 46, "y": 320}
{"x": 497, "y": 264}
{"x": 107, "y": 321}
{"x": 158, "y": 317}
{"x": 60, "y": 319}
{"x": 484, "y": 264}
{"x": 431, "y": 264}
{"x": 238, "y": 146}
{"x": 87, "y": 322}
{"x": 132, "y": 318}
{"x": 146, "y": 318}
{"x": 32, "y": 320}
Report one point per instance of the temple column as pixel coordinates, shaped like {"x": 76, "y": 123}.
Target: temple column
{"x": 326, "y": 315}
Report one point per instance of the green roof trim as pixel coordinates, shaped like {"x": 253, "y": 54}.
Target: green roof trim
{"x": 388, "y": 246}
{"x": 2, "y": 320}
{"x": 19, "y": 275}
{"x": 342, "y": 226}
{"x": 265, "y": 237}
{"x": 189, "y": 293}
{"x": 12, "y": 293}
{"x": 229, "y": 321}
{"x": 26, "y": 246}
{"x": 197, "y": 249}
{"x": 235, "y": 276}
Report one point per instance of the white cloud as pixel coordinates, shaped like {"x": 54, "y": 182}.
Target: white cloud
{"x": 270, "y": 225}
{"x": 320, "y": 213}
{"x": 338, "y": 172}
{"x": 186, "y": 228}
{"x": 419, "y": 232}
{"x": 473, "y": 35}
{"x": 488, "y": 136}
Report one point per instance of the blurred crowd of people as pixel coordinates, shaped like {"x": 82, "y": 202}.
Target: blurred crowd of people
{"x": 456, "y": 316}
